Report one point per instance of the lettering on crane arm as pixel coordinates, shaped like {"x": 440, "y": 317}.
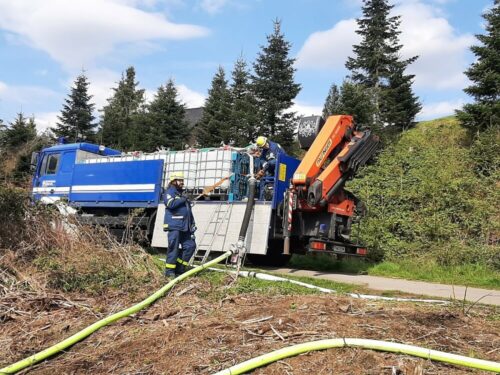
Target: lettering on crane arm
{"x": 323, "y": 152}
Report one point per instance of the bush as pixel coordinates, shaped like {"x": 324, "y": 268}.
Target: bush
{"x": 425, "y": 198}
{"x": 39, "y": 245}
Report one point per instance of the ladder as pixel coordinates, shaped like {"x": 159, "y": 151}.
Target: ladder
{"x": 218, "y": 218}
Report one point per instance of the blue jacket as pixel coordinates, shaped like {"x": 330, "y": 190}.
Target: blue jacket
{"x": 178, "y": 215}
{"x": 272, "y": 152}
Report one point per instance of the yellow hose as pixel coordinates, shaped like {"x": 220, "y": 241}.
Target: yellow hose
{"x": 40, "y": 356}
{"x": 416, "y": 351}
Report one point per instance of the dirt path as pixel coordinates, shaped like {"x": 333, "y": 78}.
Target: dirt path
{"x": 491, "y": 297}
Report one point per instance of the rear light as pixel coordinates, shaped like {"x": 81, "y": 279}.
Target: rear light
{"x": 315, "y": 245}
{"x": 361, "y": 251}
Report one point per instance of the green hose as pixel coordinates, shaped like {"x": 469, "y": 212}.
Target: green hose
{"x": 416, "y": 351}
{"x": 103, "y": 322}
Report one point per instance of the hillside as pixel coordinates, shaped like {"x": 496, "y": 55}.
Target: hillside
{"x": 433, "y": 196}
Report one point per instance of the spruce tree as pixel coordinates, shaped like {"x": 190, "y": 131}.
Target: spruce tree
{"x": 485, "y": 76}
{"x": 167, "y": 124}
{"x": 275, "y": 89}
{"x": 76, "y": 121}
{"x": 20, "y": 131}
{"x": 3, "y": 129}
{"x": 244, "y": 113}
{"x": 332, "y": 104}
{"x": 123, "y": 118}
{"x": 400, "y": 103}
{"x": 214, "y": 126}
{"x": 377, "y": 65}
{"x": 352, "y": 99}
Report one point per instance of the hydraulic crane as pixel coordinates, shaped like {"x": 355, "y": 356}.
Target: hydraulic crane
{"x": 319, "y": 210}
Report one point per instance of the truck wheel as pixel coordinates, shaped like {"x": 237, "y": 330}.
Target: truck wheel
{"x": 274, "y": 256}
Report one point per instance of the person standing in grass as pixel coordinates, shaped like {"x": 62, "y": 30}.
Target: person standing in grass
{"x": 180, "y": 226}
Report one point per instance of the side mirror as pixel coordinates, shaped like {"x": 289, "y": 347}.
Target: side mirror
{"x": 34, "y": 160}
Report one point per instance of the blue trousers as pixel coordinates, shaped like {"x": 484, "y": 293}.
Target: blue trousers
{"x": 177, "y": 259}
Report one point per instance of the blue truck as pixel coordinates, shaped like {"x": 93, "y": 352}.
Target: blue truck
{"x": 104, "y": 186}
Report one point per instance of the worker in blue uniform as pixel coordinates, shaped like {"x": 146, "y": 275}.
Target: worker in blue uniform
{"x": 269, "y": 152}
{"x": 180, "y": 226}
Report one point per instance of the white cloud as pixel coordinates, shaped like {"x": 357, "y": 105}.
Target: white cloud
{"x": 439, "y": 109}
{"x": 45, "y": 120}
{"x": 191, "y": 98}
{"x": 101, "y": 83}
{"x": 442, "y": 51}
{"x": 306, "y": 109}
{"x": 76, "y": 32}
{"x": 212, "y": 6}
{"x": 425, "y": 33}
{"x": 330, "y": 48}
{"x": 20, "y": 96}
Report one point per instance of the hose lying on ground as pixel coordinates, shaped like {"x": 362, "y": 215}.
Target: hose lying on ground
{"x": 40, "y": 356}
{"x": 416, "y": 351}
{"x": 265, "y": 276}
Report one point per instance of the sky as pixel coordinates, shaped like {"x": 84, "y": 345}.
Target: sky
{"x": 45, "y": 44}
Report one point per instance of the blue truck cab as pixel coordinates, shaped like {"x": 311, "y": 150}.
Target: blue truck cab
{"x": 54, "y": 167}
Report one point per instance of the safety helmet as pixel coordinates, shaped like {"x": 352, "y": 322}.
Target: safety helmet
{"x": 261, "y": 141}
{"x": 176, "y": 176}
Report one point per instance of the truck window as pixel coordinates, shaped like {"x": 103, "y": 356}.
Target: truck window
{"x": 51, "y": 163}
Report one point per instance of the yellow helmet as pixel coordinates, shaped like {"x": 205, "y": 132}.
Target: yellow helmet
{"x": 261, "y": 141}
{"x": 176, "y": 176}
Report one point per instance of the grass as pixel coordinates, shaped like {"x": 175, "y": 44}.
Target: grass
{"x": 477, "y": 275}
{"x": 246, "y": 285}
{"x": 466, "y": 274}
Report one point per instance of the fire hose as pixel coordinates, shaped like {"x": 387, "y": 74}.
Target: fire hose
{"x": 385, "y": 346}
{"x": 44, "y": 354}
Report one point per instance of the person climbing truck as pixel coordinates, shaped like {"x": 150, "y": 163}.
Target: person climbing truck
{"x": 269, "y": 152}
{"x": 180, "y": 225}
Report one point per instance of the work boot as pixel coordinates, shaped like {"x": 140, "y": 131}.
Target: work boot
{"x": 179, "y": 270}
{"x": 170, "y": 274}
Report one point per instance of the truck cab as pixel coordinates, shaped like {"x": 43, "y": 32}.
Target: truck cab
{"x": 53, "y": 168}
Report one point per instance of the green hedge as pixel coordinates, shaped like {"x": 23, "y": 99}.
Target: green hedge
{"x": 428, "y": 196}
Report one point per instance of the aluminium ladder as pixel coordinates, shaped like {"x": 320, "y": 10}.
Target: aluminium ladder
{"x": 218, "y": 218}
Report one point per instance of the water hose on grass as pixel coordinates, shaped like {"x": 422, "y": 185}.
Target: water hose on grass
{"x": 40, "y": 356}
{"x": 268, "y": 277}
{"x": 385, "y": 346}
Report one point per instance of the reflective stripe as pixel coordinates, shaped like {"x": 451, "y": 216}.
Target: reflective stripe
{"x": 171, "y": 266}
{"x": 170, "y": 201}
{"x": 177, "y": 217}
{"x": 179, "y": 260}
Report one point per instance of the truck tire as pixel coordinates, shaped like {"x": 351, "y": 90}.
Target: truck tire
{"x": 274, "y": 256}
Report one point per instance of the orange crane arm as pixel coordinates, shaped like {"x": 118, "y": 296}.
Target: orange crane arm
{"x": 330, "y": 136}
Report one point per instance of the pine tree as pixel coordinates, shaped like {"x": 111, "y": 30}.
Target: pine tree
{"x": 244, "y": 113}
{"x": 76, "y": 120}
{"x": 377, "y": 64}
{"x": 275, "y": 89}
{"x": 214, "y": 126}
{"x": 401, "y": 105}
{"x": 332, "y": 104}
{"x": 168, "y": 126}
{"x": 20, "y": 131}
{"x": 352, "y": 99}
{"x": 3, "y": 129}
{"x": 485, "y": 75}
{"x": 123, "y": 118}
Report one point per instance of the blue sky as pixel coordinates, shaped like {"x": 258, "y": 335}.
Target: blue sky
{"x": 44, "y": 44}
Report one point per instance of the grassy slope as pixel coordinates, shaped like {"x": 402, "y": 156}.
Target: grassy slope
{"x": 430, "y": 216}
